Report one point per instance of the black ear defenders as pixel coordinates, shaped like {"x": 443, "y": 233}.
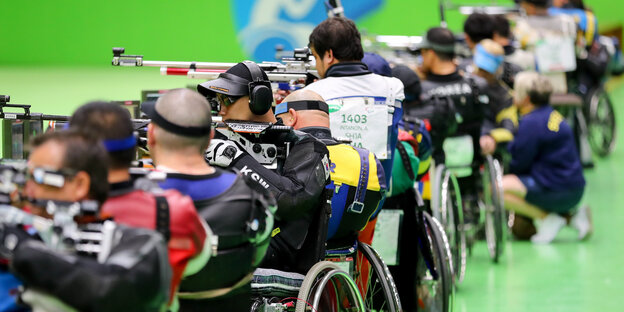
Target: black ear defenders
{"x": 260, "y": 92}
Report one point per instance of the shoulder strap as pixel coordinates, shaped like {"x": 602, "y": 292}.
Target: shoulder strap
{"x": 162, "y": 217}
{"x": 406, "y": 161}
{"x": 357, "y": 205}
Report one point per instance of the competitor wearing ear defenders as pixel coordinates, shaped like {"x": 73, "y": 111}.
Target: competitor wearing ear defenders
{"x": 298, "y": 183}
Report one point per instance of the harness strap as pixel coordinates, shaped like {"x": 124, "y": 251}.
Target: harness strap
{"x": 357, "y": 205}
{"x": 406, "y": 161}
{"x": 162, "y": 217}
{"x": 209, "y": 294}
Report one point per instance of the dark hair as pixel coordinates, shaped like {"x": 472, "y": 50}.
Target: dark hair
{"x": 502, "y": 26}
{"x": 479, "y": 26}
{"x": 82, "y": 153}
{"x": 538, "y": 3}
{"x": 577, "y": 4}
{"x": 340, "y": 35}
{"x": 106, "y": 121}
{"x": 442, "y": 36}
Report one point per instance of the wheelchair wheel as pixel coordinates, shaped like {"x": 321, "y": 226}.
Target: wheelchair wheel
{"x": 601, "y": 123}
{"x": 326, "y": 287}
{"x": 379, "y": 291}
{"x": 435, "y": 294}
{"x": 447, "y": 208}
{"x": 495, "y": 221}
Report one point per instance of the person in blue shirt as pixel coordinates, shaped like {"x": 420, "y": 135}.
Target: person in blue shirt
{"x": 546, "y": 179}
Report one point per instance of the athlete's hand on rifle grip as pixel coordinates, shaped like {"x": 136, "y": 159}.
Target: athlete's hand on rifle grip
{"x": 10, "y": 237}
{"x": 222, "y": 153}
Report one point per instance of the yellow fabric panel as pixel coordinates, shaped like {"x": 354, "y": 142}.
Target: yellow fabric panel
{"x": 426, "y": 194}
{"x": 345, "y": 165}
{"x": 501, "y": 135}
{"x": 510, "y": 113}
{"x": 591, "y": 28}
{"x": 424, "y": 165}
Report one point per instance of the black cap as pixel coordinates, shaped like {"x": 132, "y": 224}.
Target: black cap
{"x": 234, "y": 82}
{"x": 410, "y": 79}
{"x": 539, "y": 3}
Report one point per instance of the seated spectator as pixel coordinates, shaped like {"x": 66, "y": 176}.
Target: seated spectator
{"x": 547, "y": 177}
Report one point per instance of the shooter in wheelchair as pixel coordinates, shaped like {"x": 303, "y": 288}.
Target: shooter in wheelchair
{"x": 62, "y": 247}
{"x": 456, "y": 106}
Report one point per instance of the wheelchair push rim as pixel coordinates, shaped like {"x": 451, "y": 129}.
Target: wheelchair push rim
{"x": 449, "y": 207}
{"x": 325, "y": 280}
{"x": 435, "y": 294}
{"x": 601, "y": 123}
{"x": 376, "y": 283}
{"x": 495, "y": 222}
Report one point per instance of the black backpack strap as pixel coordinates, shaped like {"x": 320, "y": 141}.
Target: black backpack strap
{"x": 162, "y": 217}
{"x": 406, "y": 161}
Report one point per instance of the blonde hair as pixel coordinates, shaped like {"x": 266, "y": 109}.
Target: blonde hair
{"x": 492, "y": 47}
{"x": 533, "y": 85}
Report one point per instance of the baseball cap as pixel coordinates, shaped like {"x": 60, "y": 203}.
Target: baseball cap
{"x": 234, "y": 82}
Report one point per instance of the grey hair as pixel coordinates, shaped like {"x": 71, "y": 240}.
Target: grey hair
{"x": 183, "y": 107}
{"x": 532, "y": 84}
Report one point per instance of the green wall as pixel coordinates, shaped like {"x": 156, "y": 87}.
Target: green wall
{"x": 72, "y": 32}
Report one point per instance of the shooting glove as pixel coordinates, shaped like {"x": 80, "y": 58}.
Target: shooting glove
{"x": 222, "y": 153}
{"x": 10, "y": 237}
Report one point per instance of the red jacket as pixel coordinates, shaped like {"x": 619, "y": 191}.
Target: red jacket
{"x": 137, "y": 208}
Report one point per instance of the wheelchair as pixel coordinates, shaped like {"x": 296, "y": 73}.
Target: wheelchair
{"x": 601, "y": 125}
{"x": 485, "y": 202}
{"x": 355, "y": 279}
{"x": 423, "y": 268}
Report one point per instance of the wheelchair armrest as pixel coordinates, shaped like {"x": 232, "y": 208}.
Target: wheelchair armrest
{"x": 566, "y": 100}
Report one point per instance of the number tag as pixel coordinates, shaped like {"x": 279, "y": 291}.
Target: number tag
{"x": 458, "y": 154}
{"x": 364, "y": 124}
{"x": 555, "y": 54}
{"x": 386, "y": 235}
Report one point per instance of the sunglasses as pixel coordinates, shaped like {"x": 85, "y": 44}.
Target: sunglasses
{"x": 50, "y": 177}
{"x": 225, "y": 100}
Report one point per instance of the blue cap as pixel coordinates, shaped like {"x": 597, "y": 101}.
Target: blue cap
{"x": 487, "y": 61}
{"x": 377, "y": 64}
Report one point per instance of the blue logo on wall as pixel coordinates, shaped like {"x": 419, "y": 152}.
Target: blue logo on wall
{"x": 263, "y": 24}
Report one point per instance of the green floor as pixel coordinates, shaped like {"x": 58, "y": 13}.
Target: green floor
{"x": 565, "y": 276}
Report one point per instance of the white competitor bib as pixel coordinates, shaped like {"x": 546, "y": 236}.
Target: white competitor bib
{"x": 458, "y": 155}
{"x": 555, "y": 54}
{"x": 362, "y": 120}
{"x": 386, "y": 235}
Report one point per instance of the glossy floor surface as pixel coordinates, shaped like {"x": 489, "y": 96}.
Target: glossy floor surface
{"x": 564, "y": 276}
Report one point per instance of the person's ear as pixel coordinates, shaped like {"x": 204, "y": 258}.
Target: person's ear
{"x": 328, "y": 58}
{"x": 293, "y": 116}
{"x": 212, "y": 133}
{"x": 81, "y": 183}
{"x": 151, "y": 140}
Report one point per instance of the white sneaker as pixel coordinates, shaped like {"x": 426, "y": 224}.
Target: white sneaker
{"x": 548, "y": 228}
{"x": 582, "y": 222}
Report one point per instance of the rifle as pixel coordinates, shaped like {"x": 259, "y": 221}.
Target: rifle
{"x": 253, "y": 138}
{"x": 334, "y": 8}
{"x": 296, "y": 68}
{"x": 60, "y": 233}
{"x": 26, "y": 115}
